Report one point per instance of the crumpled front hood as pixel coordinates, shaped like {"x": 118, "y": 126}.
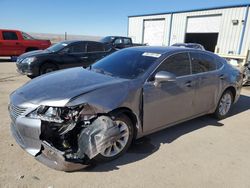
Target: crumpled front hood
{"x": 57, "y": 88}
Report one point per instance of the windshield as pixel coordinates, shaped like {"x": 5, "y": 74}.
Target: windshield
{"x": 27, "y": 36}
{"x": 128, "y": 64}
{"x": 57, "y": 47}
{"x": 106, "y": 39}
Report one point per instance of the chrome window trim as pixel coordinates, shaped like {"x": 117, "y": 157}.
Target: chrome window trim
{"x": 216, "y": 70}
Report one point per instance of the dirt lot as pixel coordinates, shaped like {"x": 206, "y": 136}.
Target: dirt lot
{"x": 199, "y": 153}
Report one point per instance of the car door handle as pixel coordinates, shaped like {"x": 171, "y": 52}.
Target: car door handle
{"x": 85, "y": 57}
{"x": 188, "y": 84}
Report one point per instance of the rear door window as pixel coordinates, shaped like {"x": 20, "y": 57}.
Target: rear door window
{"x": 27, "y": 37}
{"x": 95, "y": 47}
{"x": 202, "y": 62}
{"x": 77, "y": 48}
{"x": 127, "y": 41}
{"x": 118, "y": 41}
{"x": 178, "y": 64}
{"x": 9, "y": 35}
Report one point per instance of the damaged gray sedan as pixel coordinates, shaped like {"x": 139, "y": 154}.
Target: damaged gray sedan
{"x": 71, "y": 118}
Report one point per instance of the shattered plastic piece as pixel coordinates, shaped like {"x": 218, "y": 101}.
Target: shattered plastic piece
{"x": 97, "y": 137}
{"x": 35, "y": 178}
{"x": 21, "y": 177}
{"x": 66, "y": 128}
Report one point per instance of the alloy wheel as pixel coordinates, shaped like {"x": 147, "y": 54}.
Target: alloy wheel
{"x": 225, "y": 104}
{"x": 119, "y": 144}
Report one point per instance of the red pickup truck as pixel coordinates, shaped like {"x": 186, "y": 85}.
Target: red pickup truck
{"x": 15, "y": 43}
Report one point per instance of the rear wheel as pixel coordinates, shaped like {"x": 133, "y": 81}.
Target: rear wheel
{"x": 121, "y": 144}
{"x": 224, "y": 105}
{"x": 46, "y": 68}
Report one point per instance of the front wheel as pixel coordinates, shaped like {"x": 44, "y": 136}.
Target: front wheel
{"x": 121, "y": 144}
{"x": 224, "y": 105}
{"x": 30, "y": 76}
{"x": 46, "y": 68}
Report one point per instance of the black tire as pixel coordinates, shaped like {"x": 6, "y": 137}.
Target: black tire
{"x": 219, "y": 114}
{"x": 31, "y": 77}
{"x": 46, "y": 68}
{"x": 13, "y": 58}
{"x": 100, "y": 158}
{"x": 31, "y": 49}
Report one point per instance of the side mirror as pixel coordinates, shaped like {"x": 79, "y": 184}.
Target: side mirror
{"x": 164, "y": 76}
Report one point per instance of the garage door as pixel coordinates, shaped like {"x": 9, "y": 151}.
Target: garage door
{"x": 205, "y": 24}
{"x": 154, "y": 32}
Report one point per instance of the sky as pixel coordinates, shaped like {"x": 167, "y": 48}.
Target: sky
{"x": 89, "y": 17}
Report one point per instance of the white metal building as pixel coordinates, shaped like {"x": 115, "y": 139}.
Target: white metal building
{"x": 224, "y": 30}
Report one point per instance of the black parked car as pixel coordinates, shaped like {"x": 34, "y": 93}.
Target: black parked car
{"x": 60, "y": 56}
{"x": 119, "y": 42}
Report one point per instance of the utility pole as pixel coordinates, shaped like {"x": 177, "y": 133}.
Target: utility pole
{"x": 65, "y": 35}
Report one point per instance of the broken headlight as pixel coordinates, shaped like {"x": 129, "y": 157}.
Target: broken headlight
{"x": 56, "y": 114}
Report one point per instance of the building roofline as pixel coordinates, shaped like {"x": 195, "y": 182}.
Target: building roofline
{"x": 192, "y": 10}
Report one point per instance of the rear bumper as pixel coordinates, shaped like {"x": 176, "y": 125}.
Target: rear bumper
{"x": 27, "y": 132}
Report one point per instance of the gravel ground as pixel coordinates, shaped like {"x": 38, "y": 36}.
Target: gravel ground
{"x": 199, "y": 153}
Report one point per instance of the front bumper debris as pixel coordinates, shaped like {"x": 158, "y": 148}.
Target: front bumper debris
{"x": 91, "y": 141}
{"x": 54, "y": 158}
{"x": 27, "y": 132}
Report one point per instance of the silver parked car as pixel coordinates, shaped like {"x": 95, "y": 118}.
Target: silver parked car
{"x": 70, "y": 118}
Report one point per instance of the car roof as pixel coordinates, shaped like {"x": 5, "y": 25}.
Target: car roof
{"x": 162, "y": 49}
{"x": 74, "y": 41}
{"x": 9, "y": 30}
{"x": 186, "y": 44}
{"x": 116, "y": 36}
{"x": 168, "y": 50}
